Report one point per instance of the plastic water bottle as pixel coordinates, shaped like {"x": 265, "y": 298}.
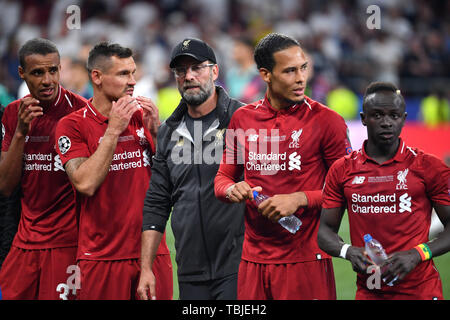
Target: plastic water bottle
{"x": 376, "y": 253}
{"x": 290, "y": 223}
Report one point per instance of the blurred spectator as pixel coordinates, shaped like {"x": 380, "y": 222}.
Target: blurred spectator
{"x": 10, "y": 64}
{"x": 294, "y": 27}
{"x": 242, "y": 80}
{"x": 328, "y": 19}
{"x": 412, "y": 48}
{"x": 168, "y": 97}
{"x": 396, "y": 24}
{"x": 386, "y": 52}
{"x": 435, "y": 108}
{"x": 138, "y": 16}
{"x": 416, "y": 62}
{"x": 179, "y": 27}
{"x": 29, "y": 26}
{"x": 155, "y": 62}
{"x": 65, "y": 76}
{"x": 5, "y": 97}
{"x": 439, "y": 57}
{"x": 10, "y": 12}
{"x": 79, "y": 82}
{"x": 344, "y": 101}
{"x": 145, "y": 84}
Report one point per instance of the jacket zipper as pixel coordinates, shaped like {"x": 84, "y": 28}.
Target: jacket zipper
{"x": 201, "y": 220}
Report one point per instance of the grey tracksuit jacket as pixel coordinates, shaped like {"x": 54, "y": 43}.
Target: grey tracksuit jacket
{"x": 208, "y": 233}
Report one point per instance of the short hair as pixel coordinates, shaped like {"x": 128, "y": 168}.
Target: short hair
{"x": 267, "y": 46}
{"x": 379, "y": 86}
{"x": 101, "y": 53}
{"x": 36, "y": 46}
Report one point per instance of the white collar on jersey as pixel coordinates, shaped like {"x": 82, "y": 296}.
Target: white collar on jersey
{"x": 304, "y": 101}
{"x": 59, "y": 97}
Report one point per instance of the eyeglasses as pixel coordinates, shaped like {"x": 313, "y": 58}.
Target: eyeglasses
{"x": 180, "y": 72}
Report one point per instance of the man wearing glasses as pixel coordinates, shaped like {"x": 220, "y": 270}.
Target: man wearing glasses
{"x": 208, "y": 234}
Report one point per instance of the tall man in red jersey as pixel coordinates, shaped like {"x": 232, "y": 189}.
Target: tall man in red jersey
{"x": 389, "y": 190}
{"x": 44, "y": 247}
{"x": 284, "y": 144}
{"x": 106, "y": 149}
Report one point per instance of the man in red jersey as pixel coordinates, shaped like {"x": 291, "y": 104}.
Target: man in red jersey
{"x": 284, "y": 144}
{"x": 389, "y": 190}
{"x": 44, "y": 247}
{"x": 106, "y": 149}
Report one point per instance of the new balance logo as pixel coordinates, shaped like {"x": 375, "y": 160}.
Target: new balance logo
{"x": 294, "y": 161}
{"x": 405, "y": 203}
{"x": 252, "y": 137}
{"x": 358, "y": 180}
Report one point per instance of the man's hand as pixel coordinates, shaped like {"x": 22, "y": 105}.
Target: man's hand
{"x": 147, "y": 285}
{"x": 120, "y": 115}
{"x": 399, "y": 264}
{"x": 150, "y": 115}
{"x": 282, "y": 205}
{"x": 29, "y": 110}
{"x": 358, "y": 258}
{"x": 241, "y": 191}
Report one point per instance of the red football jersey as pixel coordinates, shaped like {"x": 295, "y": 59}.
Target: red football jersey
{"x": 391, "y": 201}
{"x": 110, "y": 223}
{"x": 283, "y": 151}
{"x": 48, "y": 217}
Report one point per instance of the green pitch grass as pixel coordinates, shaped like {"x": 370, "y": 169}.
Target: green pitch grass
{"x": 343, "y": 273}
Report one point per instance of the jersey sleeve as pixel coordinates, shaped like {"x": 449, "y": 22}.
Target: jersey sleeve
{"x": 437, "y": 179}
{"x": 9, "y": 123}
{"x": 231, "y": 166}
{"x": 335, "y": 140}
{"x": 70, "y": 142}
{"x": 314, "y": 198}
{"x": 333, "y": 191}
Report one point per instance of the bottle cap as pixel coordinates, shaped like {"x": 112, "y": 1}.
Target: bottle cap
{"x": 255, "y": 194}
{"x": 367, "y": 237}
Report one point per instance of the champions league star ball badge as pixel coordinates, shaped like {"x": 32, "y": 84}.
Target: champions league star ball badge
{"x": 64, "y": 144}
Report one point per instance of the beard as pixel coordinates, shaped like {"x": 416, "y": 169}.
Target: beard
{"x": 196, "y": 99}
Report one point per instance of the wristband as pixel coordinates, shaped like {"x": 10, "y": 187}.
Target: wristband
{"x": 424, "y": 251}
{"x": 344, "y": 250}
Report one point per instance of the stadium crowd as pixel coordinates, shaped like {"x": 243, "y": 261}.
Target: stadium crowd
{"x": 412, "y": 44}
